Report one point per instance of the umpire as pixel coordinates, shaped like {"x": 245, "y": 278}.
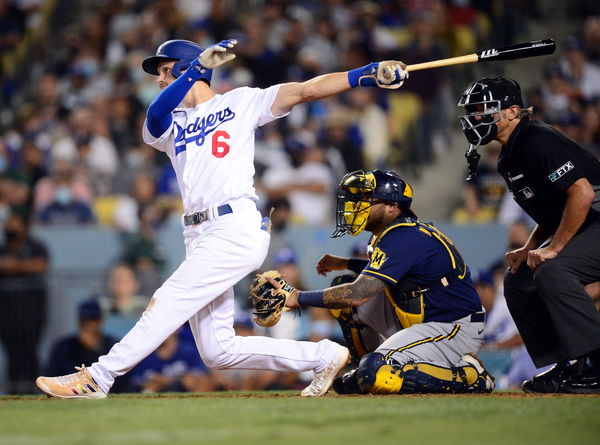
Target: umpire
{"x": 557, "y": 183}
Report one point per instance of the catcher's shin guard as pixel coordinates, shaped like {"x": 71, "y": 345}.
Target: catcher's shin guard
{"x": 375, "y": 375}
{"x": 427, "y": 378}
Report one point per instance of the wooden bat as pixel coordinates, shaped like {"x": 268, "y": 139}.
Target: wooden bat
{"x": 518, "y": 51}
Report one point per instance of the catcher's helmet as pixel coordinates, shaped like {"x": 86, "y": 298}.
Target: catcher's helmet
{"x": 483, "y": 100}
{"x": 183, "y": 52}
{"x": 358, "y": 189}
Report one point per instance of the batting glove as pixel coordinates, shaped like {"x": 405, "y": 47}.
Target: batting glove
{"x": 217, "y": 55}
{"x": 389, "y": 74}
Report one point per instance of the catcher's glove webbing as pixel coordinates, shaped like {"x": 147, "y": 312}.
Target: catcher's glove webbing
{"x": 269, "y": 302}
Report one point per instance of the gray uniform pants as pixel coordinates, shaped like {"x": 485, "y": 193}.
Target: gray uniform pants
{"x": 441, "y": 344}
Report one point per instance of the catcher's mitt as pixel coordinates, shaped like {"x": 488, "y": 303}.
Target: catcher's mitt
{"x": 268, "y": 302}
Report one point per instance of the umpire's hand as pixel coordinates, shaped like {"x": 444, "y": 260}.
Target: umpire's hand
{"x": 515, "y": 258}
{"x": 538, "y": 256}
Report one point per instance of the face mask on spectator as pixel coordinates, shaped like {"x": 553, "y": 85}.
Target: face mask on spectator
{"x": 62, "y": 196}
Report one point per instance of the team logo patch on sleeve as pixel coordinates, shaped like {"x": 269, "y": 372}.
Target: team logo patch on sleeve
{"x": 561, "y": 171}
{"x": 378, "y": 257}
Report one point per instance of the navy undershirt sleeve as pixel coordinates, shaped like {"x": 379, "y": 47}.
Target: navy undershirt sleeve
{"x": 159, "y": 116}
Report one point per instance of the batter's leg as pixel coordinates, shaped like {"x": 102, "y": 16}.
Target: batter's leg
{"x": 220, "y": 348}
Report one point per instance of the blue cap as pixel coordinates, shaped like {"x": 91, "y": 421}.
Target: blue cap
{"x": 285, "y": 256}
{"x": 89, "y": 310}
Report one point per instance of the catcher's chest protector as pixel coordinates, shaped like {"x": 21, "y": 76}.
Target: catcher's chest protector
{"x": 406, "y": 297}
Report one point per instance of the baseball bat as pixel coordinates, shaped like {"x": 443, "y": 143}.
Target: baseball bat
{"x": 518, "y": 51}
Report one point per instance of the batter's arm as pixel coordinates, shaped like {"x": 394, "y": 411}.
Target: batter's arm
{"x": 294, "y": 93}
{"x": 388, "y": 74}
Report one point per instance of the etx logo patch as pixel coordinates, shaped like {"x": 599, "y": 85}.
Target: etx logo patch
{"x": 561, "y": 171}
{"x": 378, "y": 257}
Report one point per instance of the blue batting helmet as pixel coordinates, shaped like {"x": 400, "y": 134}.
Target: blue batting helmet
{"x": 183, "y": 52}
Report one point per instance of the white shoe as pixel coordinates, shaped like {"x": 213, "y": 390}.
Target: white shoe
{"x": 484, "y": 375}
{"x": 323, "y": 380}
{"x": 79, "y": 385}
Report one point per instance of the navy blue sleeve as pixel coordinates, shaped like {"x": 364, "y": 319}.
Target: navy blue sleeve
{"x": 158, "y": 116}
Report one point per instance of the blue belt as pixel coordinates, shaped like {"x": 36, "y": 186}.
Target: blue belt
{"x": 200, "y": 217}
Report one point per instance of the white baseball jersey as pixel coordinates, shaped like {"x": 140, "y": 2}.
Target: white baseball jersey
{"x": 211, "y": 146}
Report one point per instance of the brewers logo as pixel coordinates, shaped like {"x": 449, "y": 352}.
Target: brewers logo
{"x": 378, "y": 257}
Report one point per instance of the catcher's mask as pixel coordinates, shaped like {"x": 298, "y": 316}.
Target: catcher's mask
{"x": 483, "y": 101}
{"x": 359, "y": 189}
{"x": 183, "y": 52}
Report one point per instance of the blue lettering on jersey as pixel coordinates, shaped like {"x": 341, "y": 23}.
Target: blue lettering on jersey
{"x": 200, "y": 128}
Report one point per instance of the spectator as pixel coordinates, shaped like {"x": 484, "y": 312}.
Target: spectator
{"x": 62, "y": 174}
{"x": 309, "y": 187}
{"x": 173, "y": 367}
{"x": 127, "y": 211}
{"x": 122, "y": 298}
{"x": 280, "y": 216}
{"x": 15, "y": 193}
{"x": 482, "y": 195}
{"x": 85, "y": 146}
{"x": 64, "y": 208}
{"x": 583, "y": 76}
{"x": 86, "y": 345}
{"x": 23, "y": 291}
{"x": 142, "y": 252}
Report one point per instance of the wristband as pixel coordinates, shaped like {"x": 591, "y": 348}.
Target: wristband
{"x": 312, "y": 298}
{"x": 363, "y": 76}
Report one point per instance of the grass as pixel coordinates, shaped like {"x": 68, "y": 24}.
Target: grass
{"x": 278, "y": 418}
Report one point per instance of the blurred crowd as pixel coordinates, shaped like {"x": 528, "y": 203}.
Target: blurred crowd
{"x": 74, "y": 99}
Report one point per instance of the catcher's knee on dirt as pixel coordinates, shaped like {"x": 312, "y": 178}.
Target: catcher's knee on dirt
{"x": 375, "y": 375}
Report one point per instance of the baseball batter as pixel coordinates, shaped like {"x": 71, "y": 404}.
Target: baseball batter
{"x": 412, "y": 316}
{"x": 209, "y": 138}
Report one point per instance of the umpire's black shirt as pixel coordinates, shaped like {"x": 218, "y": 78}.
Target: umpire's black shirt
{"x": 538, "y": 164}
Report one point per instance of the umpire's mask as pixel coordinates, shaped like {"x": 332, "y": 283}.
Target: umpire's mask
{"x": 483, "y": 101}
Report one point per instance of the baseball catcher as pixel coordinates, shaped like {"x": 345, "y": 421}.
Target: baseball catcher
{"x": 410, "y": 314}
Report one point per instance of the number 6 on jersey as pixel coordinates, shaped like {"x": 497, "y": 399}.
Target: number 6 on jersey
{"x": 219, "y": 146}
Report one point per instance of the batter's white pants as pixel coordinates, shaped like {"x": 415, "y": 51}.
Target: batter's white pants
{"x": 219, "y": 253}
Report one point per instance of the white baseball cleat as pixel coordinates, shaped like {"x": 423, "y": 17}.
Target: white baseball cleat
{"x": 323, "y": 379}
{"x": 79, "y": 385}
{"x": 483, "y": 373}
